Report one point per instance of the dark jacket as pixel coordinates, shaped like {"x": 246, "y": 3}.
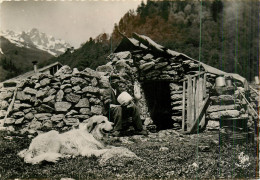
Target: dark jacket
{"x": 109, "y": 97}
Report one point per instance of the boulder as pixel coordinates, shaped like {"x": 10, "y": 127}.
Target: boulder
{"x": 29, "y": 116}
{"x": 43, "y": 116}
{"x": 18, "y": 114}
{"x": 75, "y": 71}
{"x": 94, "y": 100}
{"x": 90, "y": 89}
{"x": 63, "y": 70}
{"x": 105, "y": 68}
{"x": 22, "y": 96}
{"x": 19, "y": 121}
{"x": 94, "y": 82}
{"x": 65, "y": 86}
{"x": 148, "y": 57}
{"x": 47, "y": 124}
{"x": 76, "y": 88}
{"x": 215, "y": 108}
{"x": 224, "y": 114}
{"x": 68, "y": 90}
{"x": 223, "y": 100}
{"x": 62, "y": 106}
{"x": 44, "y": 108}
{"x": 51, "y": 92}
{"x": 2, "y": 114}
{"x": 83, "y": 103}
{"x": 34, "y": 124}
{"x": 18, "y": 107}
{"x": 31, "y": 91}
{"x": 71, "y": 121}
{"x": 90, "y": 73}
{"x": 59, "y": 96}
{"x": 60, "y": 124}
{"x": 160, "y": 65}
{"x": 123, "y": 55}
{"x": 175, "y": 87}
{"x": 57, "y": 117}
{"x": 81, "y": 117}
{"x": 78, "y": 81}
{"x": 4, "y": 105}
{"x": 41, "y": 93}
{"x": 72, "y": 112}
{"x": 176, "y": 97}
{"x": 5, "y": 95}
{"x": 72, "y": 98}
{"x": 49, "y": 98}
{"x": 9, "y": 121}
{"x": 147, "y": 66}
{"x": 85, "y": 111}
{"x": 96, "y": 109}
{"x": 45, "y": 82}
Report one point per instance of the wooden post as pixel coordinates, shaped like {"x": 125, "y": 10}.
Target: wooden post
{"x": 204, "y": 88}
{"x": 197, "y": 100}
{"x": 189, "y": 102}
{"x": 193, "y": 102}
{"x": 183, "y": 105}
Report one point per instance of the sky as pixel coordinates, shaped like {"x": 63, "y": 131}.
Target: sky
{"x": 75, "y": 21}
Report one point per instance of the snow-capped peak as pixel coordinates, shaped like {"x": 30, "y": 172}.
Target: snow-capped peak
{"x": 36, "y": 39}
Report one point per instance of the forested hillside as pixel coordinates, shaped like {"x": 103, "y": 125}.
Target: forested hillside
{"x": 223, "y": 34}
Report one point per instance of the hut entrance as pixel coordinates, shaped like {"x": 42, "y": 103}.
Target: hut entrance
{"x": 159, "y": 103}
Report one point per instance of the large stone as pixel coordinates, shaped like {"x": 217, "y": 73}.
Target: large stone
{"x": 85, "y": 111}
{"x": 47, "y": 99}
{"x": 47, "y": 124}
{"x": 154, "y": 73}
{"x": 34, "y": 124}
{"x": 43, "y": 108}
{"x": 90, "y": 89}
{"x": 148, "y": 57}
{"x": 5, "y": 95}
{"x": 160, "y": 65}
{"x": 72, "y": 112}
{"x": 94, "y": 82}
{"x": 71, "y": 121}
{"x": 22, "y": 106}
{"x": 45, "y": 82}
{"x": 176, "y": 97}
{"x": 78, "y": 81}
{"x": 224, "y": 114}
{"x": 215, "y": 108}
{"x": 65, "y": 86}
{"x": 174, "y": 87}
{"x": 43, "y": 116}
{"x": 62, "y": 106}
{"x": 22, "y": 96}
{"x": 41, "y": 93}
{"x": 83, "y": 103}
{"x": 94, "y": 100}
{"x": 18, "y": 114}
{"x": 96, "y": 109}
{"x": 4, "y": 105}
{"x": 9, "y": 121}
{"x": 29, "y": 116}
{"x": 63, "y": 70}
{"x": 82, "y": 117}
{"x": 2, "y": 114}
{"x": 19, "y": 121}
{"x": 57, "y": 117}
{"x": 59, "y": 96}
{"x": 90, "y": 73}
{"x": 223, "y": 100}
{"x": 31, "y": 91}
{"x": 68, "y": 90}
{"x": 105, "y": 68}
{"x": 51, "y": 92}
{"x": 72, "y": 98}
{"x": 76, "y": 88}
{"x": 147, "y": 66}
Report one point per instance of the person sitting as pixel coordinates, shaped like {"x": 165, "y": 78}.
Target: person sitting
{"x": 119, "y": 113}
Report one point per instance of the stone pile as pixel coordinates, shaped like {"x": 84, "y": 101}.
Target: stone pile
{"x": 45, "y": 102}
{"x": 226, "y": 104}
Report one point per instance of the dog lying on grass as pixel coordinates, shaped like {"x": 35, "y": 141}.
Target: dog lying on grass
{"x": 84, "y": 141}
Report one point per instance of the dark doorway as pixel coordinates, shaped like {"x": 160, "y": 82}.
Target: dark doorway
{"x": 158, "y": 98}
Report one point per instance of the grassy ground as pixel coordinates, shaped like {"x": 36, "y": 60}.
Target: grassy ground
{"x": 165, "y": 155}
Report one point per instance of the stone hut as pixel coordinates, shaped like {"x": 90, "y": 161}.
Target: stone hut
{"x": 170, "y": 82}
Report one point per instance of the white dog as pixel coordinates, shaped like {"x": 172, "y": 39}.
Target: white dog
{"x": 51, "y": 146}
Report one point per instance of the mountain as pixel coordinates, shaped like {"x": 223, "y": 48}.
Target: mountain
{"x": 15, "y": 60}
{"x": 36, "y": 39}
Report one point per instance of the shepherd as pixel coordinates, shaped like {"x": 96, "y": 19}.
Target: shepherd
{"x": 119, "y": 107}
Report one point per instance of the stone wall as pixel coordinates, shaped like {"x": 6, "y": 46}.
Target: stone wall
{"x": 45, "y": 102}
